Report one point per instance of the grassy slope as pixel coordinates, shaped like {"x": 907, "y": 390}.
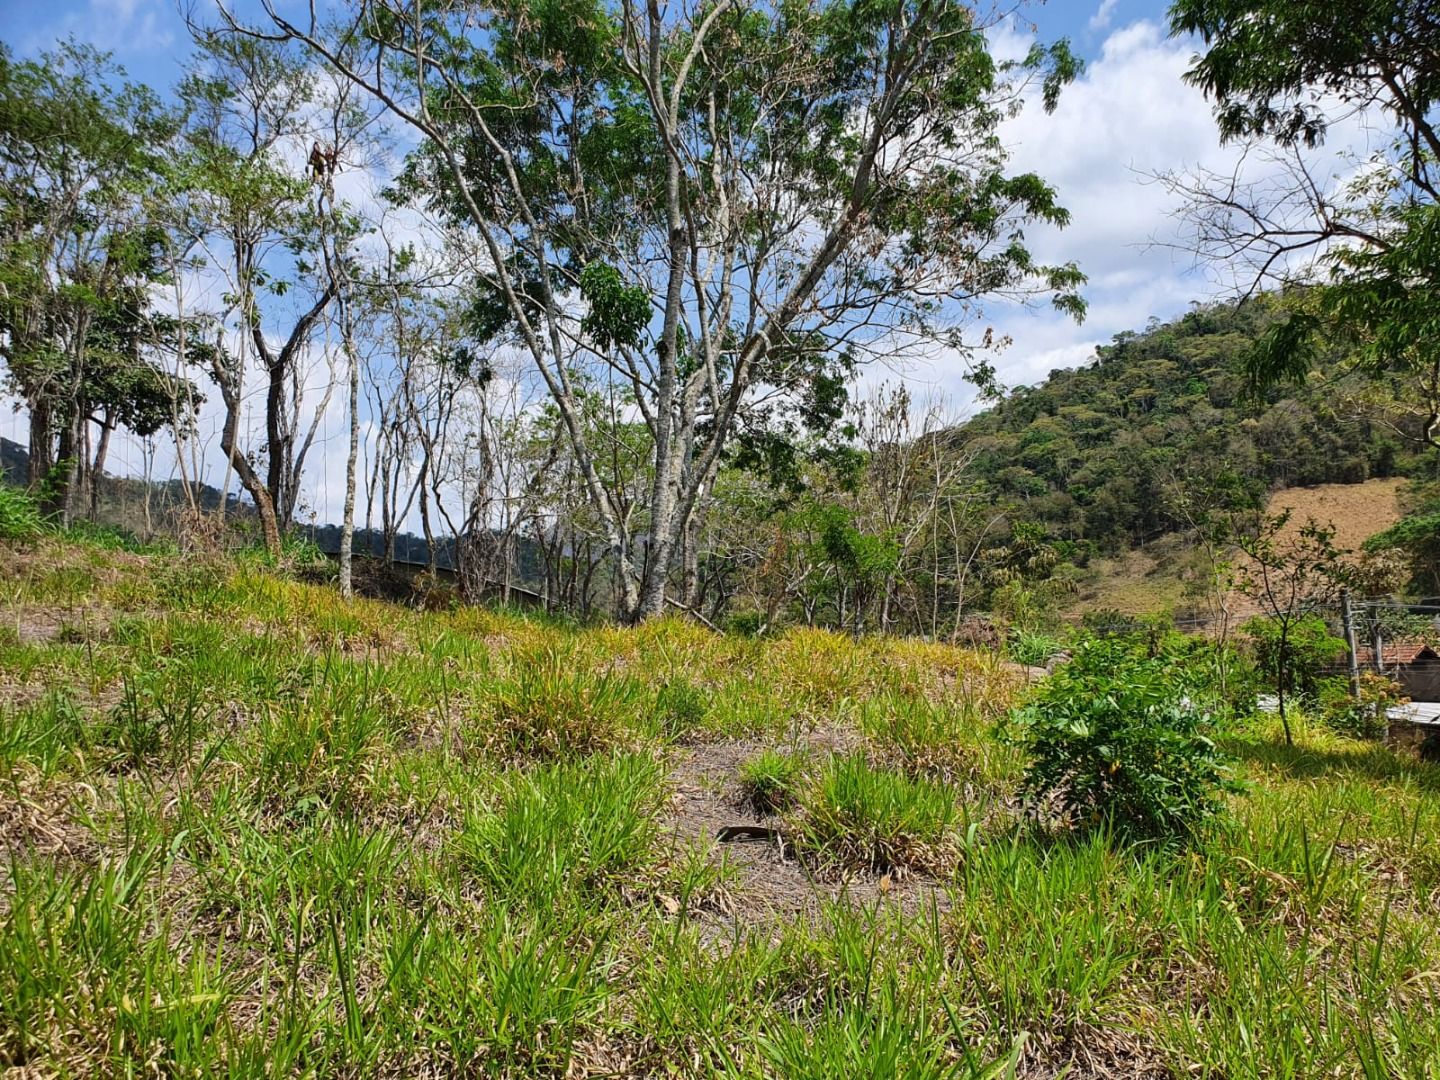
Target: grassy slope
{"x": 256, "y": 831}
{"x": 1147, "y": 580}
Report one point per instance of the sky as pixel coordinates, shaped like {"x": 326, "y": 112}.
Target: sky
{"x": 1127, "y": 117}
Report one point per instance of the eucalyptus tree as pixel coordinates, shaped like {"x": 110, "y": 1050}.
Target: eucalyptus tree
{"x": 702, "y": 203}
{"x": 79, "y": 255}
{"x": 1365, "y": 241}
{"x": 268, "y": 217}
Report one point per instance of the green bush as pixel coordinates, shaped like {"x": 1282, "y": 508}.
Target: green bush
{"x": 20, "y": 517}
{"x": 1115, "y": 740}
{"x": 1362, "y": 717}
{"x": 1295, "y": 665}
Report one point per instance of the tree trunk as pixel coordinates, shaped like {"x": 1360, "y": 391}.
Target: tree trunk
{"x": 347, "y": 527}
{"x": 264, "y": 507}
{"x": 97, "y": 469}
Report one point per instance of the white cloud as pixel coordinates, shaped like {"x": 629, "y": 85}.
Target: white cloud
{"x": 1127, "y": 118}
{"x": 1101, "y": 19}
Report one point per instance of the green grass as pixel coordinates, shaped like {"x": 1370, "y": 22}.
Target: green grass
{"x": 771, "y": 779}
{"x": 860, "y": 816}
{"x": 253, "y": 830}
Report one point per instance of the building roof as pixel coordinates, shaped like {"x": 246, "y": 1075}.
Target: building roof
{"x": 1398, "y": 654}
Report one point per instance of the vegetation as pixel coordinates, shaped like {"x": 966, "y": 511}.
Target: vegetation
{"x": 601, "y": 332}
{"x": 258, "y": 829}
{"x": 1124, "y": 741}
{"x": 1114, "y": 453}
{"x": 1281, "y": 72}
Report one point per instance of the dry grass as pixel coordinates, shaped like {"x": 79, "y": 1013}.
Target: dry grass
{"x": 258, "y": 831}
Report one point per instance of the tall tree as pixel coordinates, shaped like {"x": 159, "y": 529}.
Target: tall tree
{"x": 78, "y": 256}
{"x": 255, "y": 202}
{"x": 700, "y": 204}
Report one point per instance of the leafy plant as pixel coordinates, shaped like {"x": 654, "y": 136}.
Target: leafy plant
{"x": 1362, "y": 717}
{"x": 551, "y": 708}
{"x": 1114, "y": 741}
{"x": 680, "y": 707}
{"x": 1292, "y": 659}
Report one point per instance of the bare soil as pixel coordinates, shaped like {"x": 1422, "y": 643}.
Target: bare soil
{"x": 772, "y": 884}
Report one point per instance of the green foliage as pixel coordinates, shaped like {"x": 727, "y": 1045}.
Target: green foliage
{"x": 858, "y": 815}
{"x": 771, "y": 780}
{"x": 680, "y": 708}
{"x": 1115, "y": 742}
{"x": 1107, "y": 453}
{"x": 1032, "y": 648}
{"x": 1361, "y": 717}
{"x": 550, "y": 708}
{"x": 1293, "y": 659}
{"x": 20, "y": 517}
{"x": 1283, "y": 71}
{"x": 566, "y": 833}
{"x": 1417, "y": 538}
{"x": 618, "y": 312}
{"x": 80, "y": 254}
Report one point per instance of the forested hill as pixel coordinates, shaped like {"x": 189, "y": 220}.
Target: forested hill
{"x": 1097, "y": 453}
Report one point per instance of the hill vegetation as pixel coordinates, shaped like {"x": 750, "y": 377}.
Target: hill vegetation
{"x": 1114, "y": 454}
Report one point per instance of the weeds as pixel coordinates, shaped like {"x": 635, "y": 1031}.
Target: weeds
{"x": 771, "y": 780}
{"x": 253, "y": 830}
{"x": 860, "y": 816}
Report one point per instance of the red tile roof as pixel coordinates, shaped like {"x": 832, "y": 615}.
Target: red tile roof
{"x": 1403, "y": 652}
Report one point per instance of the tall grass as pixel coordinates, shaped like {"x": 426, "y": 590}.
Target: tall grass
{"x": 254, "y": 830}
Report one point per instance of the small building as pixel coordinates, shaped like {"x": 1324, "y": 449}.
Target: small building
{"x": 1413, "y": 664}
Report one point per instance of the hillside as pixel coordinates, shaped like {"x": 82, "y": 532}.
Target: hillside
{"x": 1154, "y": 578}
{"x": 1102, "y": 454}
{"x": 1356, "y": 511}
{"x": 253, "y": 830}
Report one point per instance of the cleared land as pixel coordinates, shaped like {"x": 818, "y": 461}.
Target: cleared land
{"x": 1153, "y": 578}
{"x": 253, "y": 830}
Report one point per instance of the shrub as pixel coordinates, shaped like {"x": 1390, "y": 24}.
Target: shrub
{"x": 1114, "y": 739}
{"x": 746, "y": 623}
{"x": 20, "y": 517}
{"x": 1362, "y": 717}
{"x": 1295, "y": 664}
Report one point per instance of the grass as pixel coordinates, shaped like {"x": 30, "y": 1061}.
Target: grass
{"x": 860, "y": 816}
{"x": 254, "y": 830}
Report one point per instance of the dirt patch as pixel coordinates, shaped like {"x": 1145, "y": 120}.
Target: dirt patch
{"x": 36, "y": 819}
{"x": 771, "y": 883}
